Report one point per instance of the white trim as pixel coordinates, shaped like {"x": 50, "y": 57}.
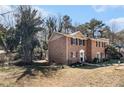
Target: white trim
{"x": 83, "y": 56}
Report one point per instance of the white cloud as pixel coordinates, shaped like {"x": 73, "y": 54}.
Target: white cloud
{"x": 103, "y": 8}
{"x": 117, "y": 22}
{"x": 44, "y": 12}
{"x": 98, "y": 8}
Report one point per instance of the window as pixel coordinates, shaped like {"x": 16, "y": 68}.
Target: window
{"x": 99, "y": 44}
{"x": 72, "y": 54}
{"x": 80, "y": 42}
{"x": 102, "y": 44}
{"x": 84, "y": 42}
{"x": 76, "y": 41}
{"x": 71, "y": 41}
{"x": 96, "y": 43}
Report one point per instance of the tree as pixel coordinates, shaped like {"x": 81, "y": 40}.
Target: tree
{"x": 92, "y": 28}
{"x": 84, "y": 28}
{"x": 112, "y": 52}
{"x": 8, "y": 38}
{"x": 28, "y": 24}
{"x": 51, "y": 25}
{"x": 114, "y": 28}
{"x": 45, "y": 47}
{"x": 105, "y": 32}
{"x": 60, "y": 24}
{"x": 11, "y": 40}
{"x": 95, "y": 26}
{"x": 66, "y": 23}
{"x": 2, "y": 37}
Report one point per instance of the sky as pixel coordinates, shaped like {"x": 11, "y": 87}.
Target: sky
{"x": 83, "y": 13}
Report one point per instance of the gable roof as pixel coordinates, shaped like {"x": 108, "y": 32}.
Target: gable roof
{"x": 77, "y": 34}
{"x": 57, "y": 35}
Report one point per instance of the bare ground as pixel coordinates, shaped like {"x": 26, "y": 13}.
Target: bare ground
{"x": 69, "y": 77}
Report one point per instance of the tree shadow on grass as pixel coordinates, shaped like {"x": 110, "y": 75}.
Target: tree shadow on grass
{"x": 44, "y": 68}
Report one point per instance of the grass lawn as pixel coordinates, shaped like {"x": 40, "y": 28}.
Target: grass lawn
{"x": 68, "y": 77}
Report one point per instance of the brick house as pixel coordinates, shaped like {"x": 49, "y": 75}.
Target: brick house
{"x": 75, "y": 47}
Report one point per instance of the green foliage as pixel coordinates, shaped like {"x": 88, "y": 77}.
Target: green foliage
{"x": 93, "y": 28}
{"x": 66, "y": 23}
{"x": 11, "y": 40}
{"x": 84, "y": 29}
{"x": 95, "y": 60}
{"x": 112, "y": 53}
{"x": 28, "y": 24}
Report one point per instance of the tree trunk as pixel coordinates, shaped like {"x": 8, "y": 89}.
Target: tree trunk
{"x": 101, "y": 34}
{"x": 27, "y": 55}
{"x": 93, "y": 34}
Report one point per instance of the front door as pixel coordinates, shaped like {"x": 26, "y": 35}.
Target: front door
{"x": 82, "y": 56}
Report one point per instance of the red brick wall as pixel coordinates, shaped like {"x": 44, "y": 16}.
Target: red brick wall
{"x": 74, "y": 48}
{"x": 88, "y": 49}
{"x": 57, "y": 50}
{"x": 95, "y": 49}
{"x": 61, "y": 48}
